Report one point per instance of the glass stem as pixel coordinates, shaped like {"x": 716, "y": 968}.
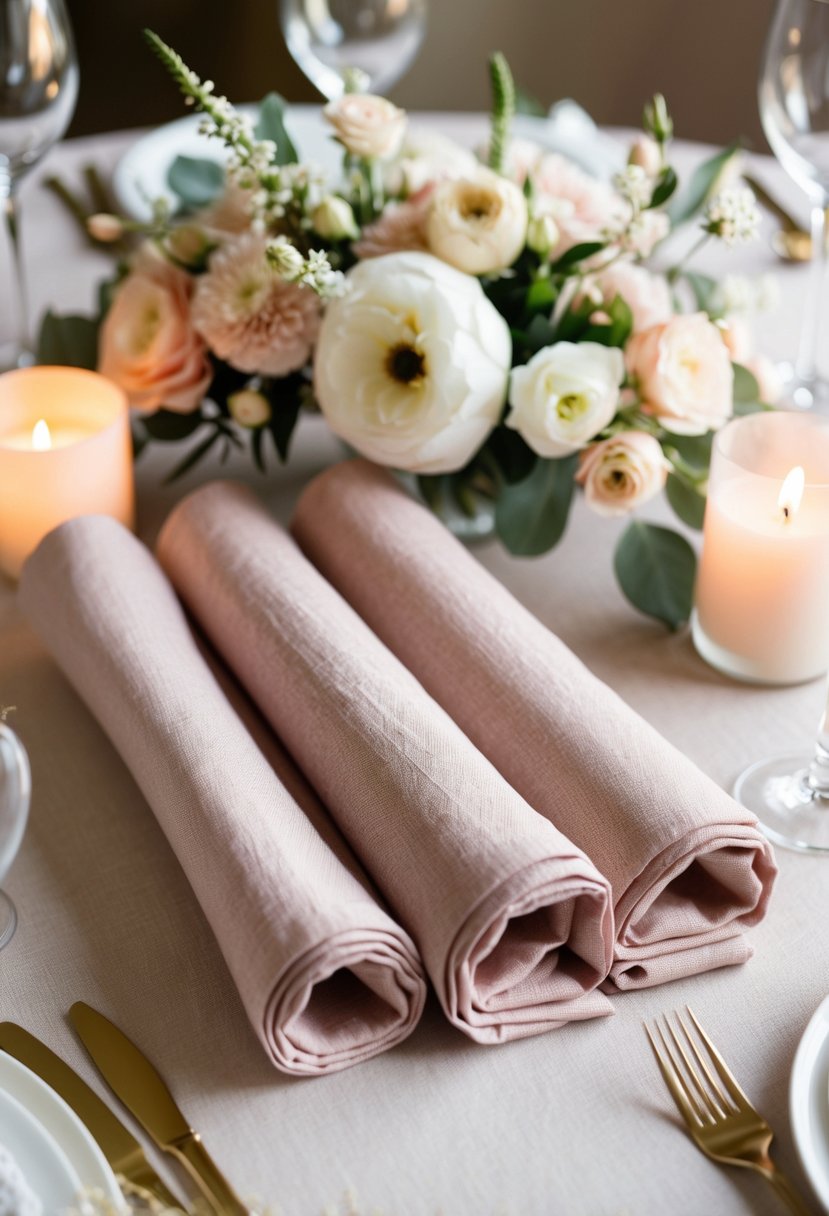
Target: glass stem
{"x": 810, "y": 334}
{"x": 19, "y": 299}
{"x": 818, "y": 778}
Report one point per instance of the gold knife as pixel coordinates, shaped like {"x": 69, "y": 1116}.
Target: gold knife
{"x": 137, "y": 1083}
{"x": 121, "y": 1149}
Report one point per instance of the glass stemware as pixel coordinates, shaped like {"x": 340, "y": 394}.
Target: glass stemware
{"x": 368, "y": 42}
{"x": 38, "y": 91}
{"x": 790, "y": 795}
{"x": 794, "y": 109}
{"x": 15, "y": 793}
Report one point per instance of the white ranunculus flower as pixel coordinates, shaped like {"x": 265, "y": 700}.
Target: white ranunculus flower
{"x": 411, "y": 366}
{"x": 477, "y": 223}
{"x": 565, "y": 395}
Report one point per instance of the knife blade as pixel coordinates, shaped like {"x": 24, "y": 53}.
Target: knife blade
{"x": 121, "y": 1149}
{"x": 138, "y": 1084}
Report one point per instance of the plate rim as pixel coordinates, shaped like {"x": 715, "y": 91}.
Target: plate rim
{"x": 812, "y": 1043}
{"x": 41, "y": 1139}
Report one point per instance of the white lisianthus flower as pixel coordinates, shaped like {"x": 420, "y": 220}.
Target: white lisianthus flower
{"x": 366, "y": 125}
{"x": 411, "y": 367}
{"x": 621, "y": 473}
{"x": 565, "y": 395}
{"x": 477, "y": 224}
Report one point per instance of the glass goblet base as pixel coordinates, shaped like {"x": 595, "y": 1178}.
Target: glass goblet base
{"x": 803, "y": 392}
{"x": 8, "y": 920}
{"x": 791, "y": 811}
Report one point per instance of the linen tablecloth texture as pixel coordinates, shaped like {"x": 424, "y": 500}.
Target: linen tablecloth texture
{"x": 512, "y": 921}
{"x": 688, "y": 866}
{"x": 326, "y": 976}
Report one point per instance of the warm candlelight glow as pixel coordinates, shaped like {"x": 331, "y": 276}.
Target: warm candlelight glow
{"x": 791, "y": 492}
{"x": 41, "y": 439}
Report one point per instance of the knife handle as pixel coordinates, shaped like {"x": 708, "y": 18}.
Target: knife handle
{"x": 206, "y": 1174}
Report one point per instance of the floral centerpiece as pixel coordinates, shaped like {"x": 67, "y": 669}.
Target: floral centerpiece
{"x": 492, "y": 324}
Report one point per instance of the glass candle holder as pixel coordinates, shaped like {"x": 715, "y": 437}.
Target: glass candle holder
{"x": 762, "y": 596}
{"x": 65, "y": 450}
{"x": 15, "y": 792}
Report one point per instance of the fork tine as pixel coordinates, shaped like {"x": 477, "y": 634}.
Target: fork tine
{"x": 727, "y": 1077}
{"x": 715, "y": 1105}
{"x": 671, "y": 1079}
{"x": 720, "y": 1097}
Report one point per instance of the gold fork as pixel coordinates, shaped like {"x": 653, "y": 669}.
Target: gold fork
{"x": 721, "y": 1120}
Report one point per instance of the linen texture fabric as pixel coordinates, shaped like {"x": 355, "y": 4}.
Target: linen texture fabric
{"x": 689, "y": 867}
{"x": 512, "y": 921}
{"x": 326, "y": 976}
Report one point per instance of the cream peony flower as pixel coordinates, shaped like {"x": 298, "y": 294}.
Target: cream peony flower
{"x": 684, "y": 373}
{"x": 148, "y": 344}
{"x": 411, "y": 367}
{"x": 647, "y": 295}
{"x": 251, "y": 317}
{"x": 621, "y": 473}
{"x": 477, "y": 224}
{"x": 367, "y": 126}
{"x": 565, "y": 395}
{"x": 583, "y": 207}
{"x": 400, "y": 229}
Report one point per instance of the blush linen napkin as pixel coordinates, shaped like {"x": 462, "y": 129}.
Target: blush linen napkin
{"x": 512, "y": 921}
{"x": 326, "y": 976}
{"x": 688, "y": 866}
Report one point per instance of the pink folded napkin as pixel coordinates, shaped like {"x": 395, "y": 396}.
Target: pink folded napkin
{"x": 688, "y": 866}
{"x": 326, "y": 976}
{"x": 512, "y": 921}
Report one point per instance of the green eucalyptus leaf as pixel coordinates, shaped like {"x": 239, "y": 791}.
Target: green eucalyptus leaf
{"x": 541, "y": 296}
{"x": 514, "y": 458}
{"x": 666, "y": 184}
{"x": 525, "y": 103}
{"x": 531, "y": 515}
{"x": 687, "y": 502}
{"x": 285, "y": 397}
{"x": 68, "y": 341}
{"x": 703, "y": 288}
{"x": 431, "y": 490}
{"x": 271, "y": 125}
{"x": 539, "y": 333}
{"x": 193, "y": 457}
{"x": 746, "y": 388}
{"x": 170, "y": 426}
{"x": 695, "y": 450}
{"x": 578, "y": 253}
{"x": 656, "y": 568}
{"x": 196, "y": 181}
{"x": 703, "y": 180}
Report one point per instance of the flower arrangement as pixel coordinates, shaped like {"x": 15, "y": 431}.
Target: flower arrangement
{"x": 493, "y": 325}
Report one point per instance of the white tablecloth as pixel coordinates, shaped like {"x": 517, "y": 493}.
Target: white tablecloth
{"x": 576, "y": 1122}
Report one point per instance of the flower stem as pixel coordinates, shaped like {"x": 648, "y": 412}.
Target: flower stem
{"x": 503, "y": 109}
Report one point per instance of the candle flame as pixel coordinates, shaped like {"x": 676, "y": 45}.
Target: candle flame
{"x": 791, "y": 492}
{"x": 41, "y": 439}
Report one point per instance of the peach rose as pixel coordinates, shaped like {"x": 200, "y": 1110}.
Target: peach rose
{"x": 684, "y": 374}
{"x": 148, "y": 344}
{"x": 738, "y": 338}
{"x": 621, "y": 473}
{"x": 366, "y": 125}
{"x": 647, "y": 295}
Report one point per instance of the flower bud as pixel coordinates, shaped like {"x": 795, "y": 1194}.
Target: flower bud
{"x": 249, "y": 408}
{"x": 189, "y": 245}
{"x": 285, "y": 258}
{"x": 656, "y": 120}
{"x": 105, "y": 228}
{"x": 333, "y": 219}
{"x": 644, "y": 152}
{"x": 542, "y": 234}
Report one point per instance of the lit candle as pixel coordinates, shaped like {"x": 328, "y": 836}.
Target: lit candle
{"x": 762, "y": 595}
{"x": 65, "y": 450}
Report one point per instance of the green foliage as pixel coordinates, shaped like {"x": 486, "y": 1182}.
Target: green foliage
{"x": 531, "y": 514}
{"x": 687, "y": 500}
{"x": 703, "y": 180}
{"x": 170, "y": 426}
{"x": 513, "y": 459}
{"x": 656, "y": 569}
{"x": 665, "y": 186}
{"x": 503, "y": 109}
{"x": 69, "y": 341}
{"x": 703, "y": 288}
{"x": 577, "y": 253}
{"x": 196, "y": 181}
{"x": 285, "y": 397}
{"x": 525, "y": 103}
{"x": 271, "y": 125}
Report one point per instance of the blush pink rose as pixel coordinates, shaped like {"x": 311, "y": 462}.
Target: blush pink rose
{"x": 647, "y": 295}
{"x": 583, "y": 207}
{"x": 684, "y": 374}
{"x": 621, "y": 473}
{"x": 148, "y": 344}
{"x": 400, "y": 229}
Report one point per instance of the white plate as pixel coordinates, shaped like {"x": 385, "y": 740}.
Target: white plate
{"x": 44, "y": 1166}
{"x": 141, "y": 174}
{"x": 61, "y": 1123}
{"x": 809, "y": 1101}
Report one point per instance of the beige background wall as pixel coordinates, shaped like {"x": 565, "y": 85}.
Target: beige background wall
{"x": 608, "y": 54}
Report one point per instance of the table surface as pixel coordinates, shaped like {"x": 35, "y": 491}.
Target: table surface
{"x": 576, "y": 1122}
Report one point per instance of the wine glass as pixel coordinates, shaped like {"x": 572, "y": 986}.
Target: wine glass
{"x": 368, "y": 44}
{"x": 15, "y": 792}
{"x": 790, "y": 795}
{"x": 794, "y": 110}
{"x": 38, "y": 91}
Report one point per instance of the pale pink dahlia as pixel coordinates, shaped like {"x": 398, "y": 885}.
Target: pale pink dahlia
{"x": 251, "y": 317}
{"x": 400, "y": 229}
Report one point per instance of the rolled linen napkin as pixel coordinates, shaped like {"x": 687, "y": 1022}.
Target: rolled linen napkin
{"x": 688, "y": 866}
{"x": 513, "y": 922}
{"x": 326, "y": 976}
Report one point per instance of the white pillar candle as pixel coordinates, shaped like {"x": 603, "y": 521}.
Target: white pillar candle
{"x": 762, "y": 595}
{"x": 65, "y": 450}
